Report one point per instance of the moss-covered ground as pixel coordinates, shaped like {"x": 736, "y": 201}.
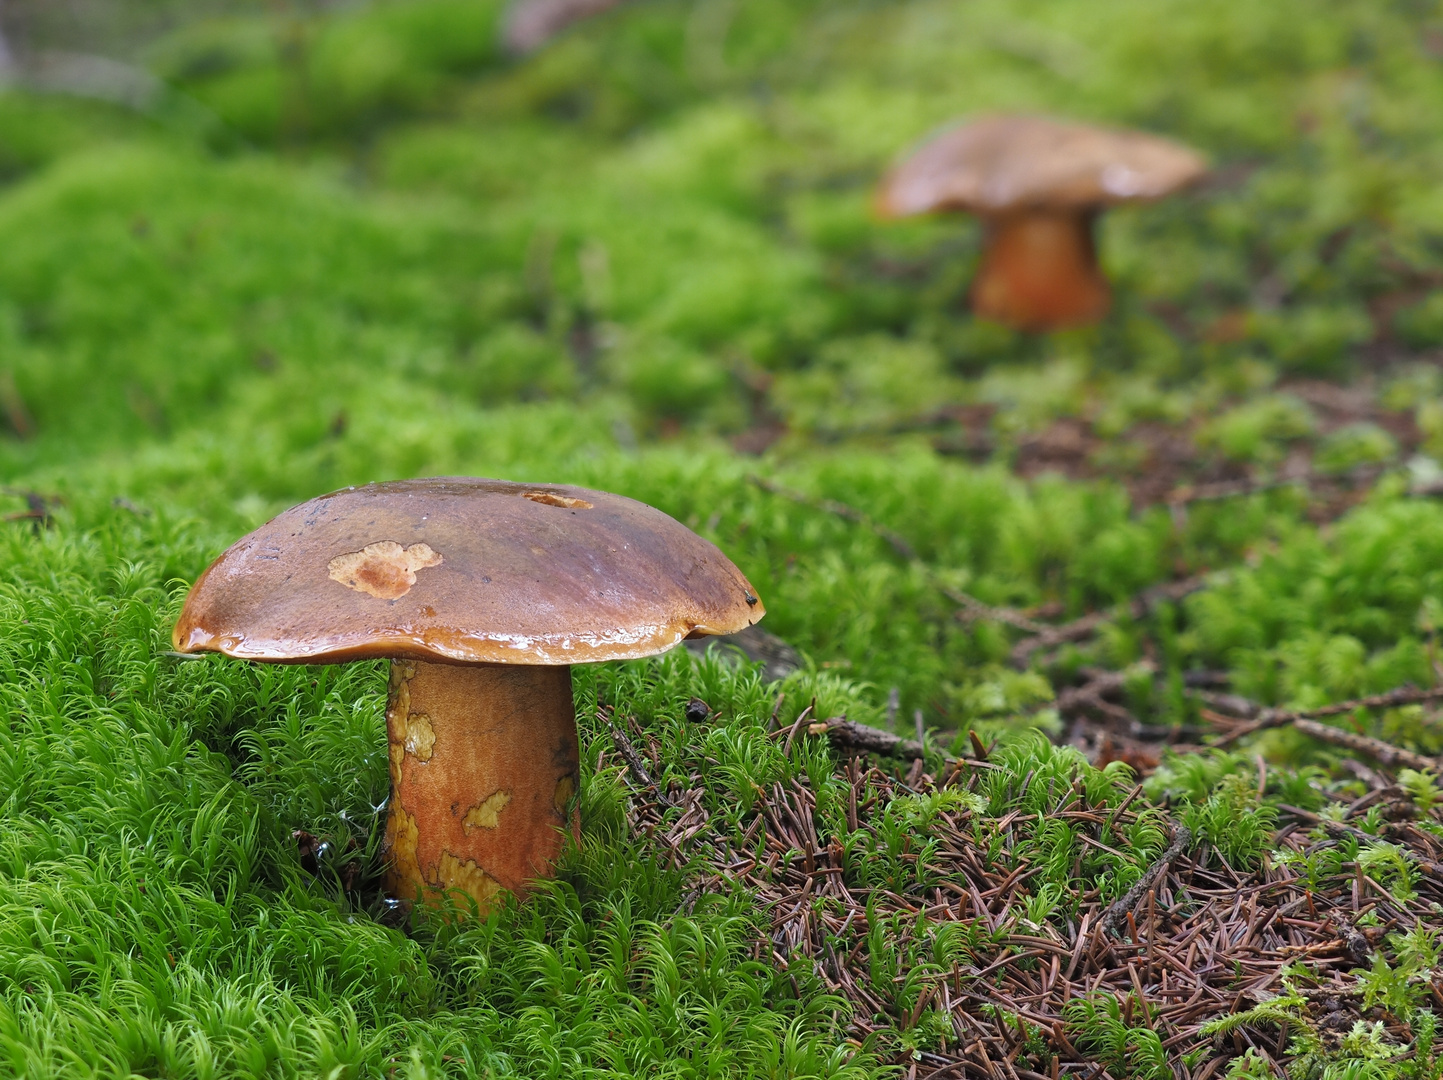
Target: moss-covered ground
{"x": 330, "y": 248}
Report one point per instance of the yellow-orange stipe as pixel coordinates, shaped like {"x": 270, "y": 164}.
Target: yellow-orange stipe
{"x": 1039, "y": 272}
{"x": 481, "y": 809}
{"x": 1038, "y": 184}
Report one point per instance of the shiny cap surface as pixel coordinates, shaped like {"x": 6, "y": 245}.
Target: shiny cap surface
{"x": 998, "y": 163}
{"x": 467, "y": 571}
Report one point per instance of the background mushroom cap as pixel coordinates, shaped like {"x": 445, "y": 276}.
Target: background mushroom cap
{"x": 468, "y": 571}
{"x": 999, "y": 163}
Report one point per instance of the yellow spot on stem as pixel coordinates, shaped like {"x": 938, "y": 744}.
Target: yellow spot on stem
{"x": 565, "y": 788}
{"x": 385, "y": 570}
{"x": 402, "y": 672}
{"x": 487, "y": 813}
{"x": 402, "y": 835}
{"x": 420, "y": 735}
{"x": 398, "y": 715}
{"x": 453, "y": 873}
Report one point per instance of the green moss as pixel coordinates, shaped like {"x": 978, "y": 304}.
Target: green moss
{"x": 1355, "y": 445}
{"x": 1256, "y": 430}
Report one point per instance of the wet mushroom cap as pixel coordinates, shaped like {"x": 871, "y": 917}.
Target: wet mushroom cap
{"x": 999, "y": 163}
{"x": 464, "y": 570}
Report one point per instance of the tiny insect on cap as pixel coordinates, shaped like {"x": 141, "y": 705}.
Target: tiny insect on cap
{"x": 995, "y": 164}
{"x": 464, "y": 570}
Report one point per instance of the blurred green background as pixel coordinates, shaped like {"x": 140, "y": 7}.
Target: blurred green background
{"x": 251, "y": 252}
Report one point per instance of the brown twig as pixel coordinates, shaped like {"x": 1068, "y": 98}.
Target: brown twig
{"x": 898, "y": 542}
{"x": 1390, "y": 755}
{"x": 38, "y": 507}
{"x": 1138, "y": 607}
{"x": 1259, "y": 717}
{"x": 1342, "y": 828}
{"x": 970, "y": 609}
{"x": 1183, "y": 496}
{"x": 850, "y": 735}
{"x": 12, "y": 406}
{"x": 1089, "y": 697}
{"x": 1124, "y": 905}
{"x": 633, "y": 761}
{"x": 530, "y": 24}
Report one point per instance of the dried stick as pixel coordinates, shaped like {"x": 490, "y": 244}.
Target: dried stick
{"x": 633, "y": 761}
{"x": 7, "y": 54}
{"x": 1088, "y": 698}
{"x": 842, "y": 510}
{"x": 1429, "y": 866}
{"x": 974, "y": 610}
{"x": 1139, "y": 607}
{"x": 1260, "y": 717}
{"x": 1123, "y": 906}
{"x": 1227, "y": 489}
{"x": 38, "y": 507}
{"x": 1360, "y": 950}
{"x": 850, "y": 735}
{"x": 1390, "y": 755}
{"x": 530, "y": 24}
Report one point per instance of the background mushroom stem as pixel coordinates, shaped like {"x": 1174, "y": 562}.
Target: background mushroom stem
{"x": 1039, "y": 270}
{"x": 484, "y": 771}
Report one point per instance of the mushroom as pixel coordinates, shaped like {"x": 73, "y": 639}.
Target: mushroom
{"x": 1038, "y": 185}
{"x": 530, "y": 24}
{"x": 481, "y": 593}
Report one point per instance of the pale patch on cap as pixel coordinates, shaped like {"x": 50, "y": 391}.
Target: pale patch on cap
{"x": 385, "y": 569}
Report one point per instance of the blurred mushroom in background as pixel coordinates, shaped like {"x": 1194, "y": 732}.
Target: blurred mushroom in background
{"x": 530, "y": 24}
{"x": 1038, "y": 185}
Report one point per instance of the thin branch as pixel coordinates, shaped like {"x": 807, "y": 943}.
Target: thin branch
{"x": 1185, "y": 494}
{"x": 971, "y": 608}
{"x": 1390, "y": 755}
{"x": 38, "y": 507}
{"x": 974, "y": 610}
{"x": 1139, "y": 607}
{"x": 7, "y": 54}
{"x": 850, "y": 735}
{"x": 633, "y": 761}
{"x": 1341, "y": 828}
{"x": 1358, "y": 946}
{"x": 801, "y": 719}
{"x": 530, "y": 24}
{"x": 1258, "y": 717}
{"x": 840, "y": 509}
{"x": 1123, "y": 906}
{"x": 1088, "y": 698}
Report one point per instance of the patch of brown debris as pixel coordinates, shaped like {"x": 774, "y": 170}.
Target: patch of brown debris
{"x": 1201, "y": 941}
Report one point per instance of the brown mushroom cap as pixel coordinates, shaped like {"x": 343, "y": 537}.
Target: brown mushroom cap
{"x": 998, "y": 163}
{"x": 466, "y": 571}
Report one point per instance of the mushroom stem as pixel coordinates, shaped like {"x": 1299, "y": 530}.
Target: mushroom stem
{"x": 484, "y": 770}
{"x": 1039, "y": 271}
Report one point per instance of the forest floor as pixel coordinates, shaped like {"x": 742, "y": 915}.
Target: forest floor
{"x": 1095, "y": 726}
